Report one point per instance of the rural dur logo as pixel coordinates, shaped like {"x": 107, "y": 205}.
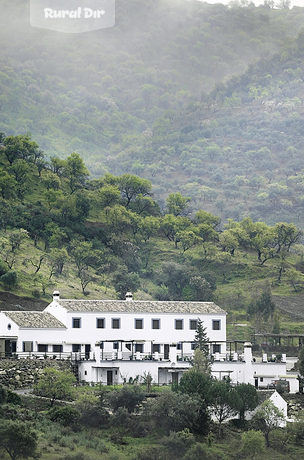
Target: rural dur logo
{"x": 72, "y": 16}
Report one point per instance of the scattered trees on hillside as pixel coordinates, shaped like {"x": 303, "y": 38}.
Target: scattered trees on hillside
{"x": 119, "y": 215}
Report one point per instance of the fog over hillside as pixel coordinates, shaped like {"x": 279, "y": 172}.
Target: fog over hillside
{"x": 161, "y": 95}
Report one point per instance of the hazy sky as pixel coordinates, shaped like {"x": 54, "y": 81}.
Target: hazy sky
{"x": 259, "y": 2}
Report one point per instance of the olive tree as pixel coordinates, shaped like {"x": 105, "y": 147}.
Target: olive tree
{"x": 18, "y": 439}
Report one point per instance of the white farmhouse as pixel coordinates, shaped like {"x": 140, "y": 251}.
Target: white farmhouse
{"x": 113, "y": 341}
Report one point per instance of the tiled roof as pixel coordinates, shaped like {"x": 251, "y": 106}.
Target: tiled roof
{"x": 34, "y": 319}
{"x": 149, "y": 306}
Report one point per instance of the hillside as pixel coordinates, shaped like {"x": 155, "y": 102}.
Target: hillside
{"x": 166, "y": 158}
{"x": 167, "y": 94}
{"x": 90, "y": 91}
{"x": 99, "y": 238}
{"x": 237, "y": 151}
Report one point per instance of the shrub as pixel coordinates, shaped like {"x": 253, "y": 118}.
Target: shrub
{"x": 128, "y": 397}
{"x": 66, "y": 416}
{"x": 36, "y": 294}
{"x": 9, "y": 279}
{"x": 13, "y": 398}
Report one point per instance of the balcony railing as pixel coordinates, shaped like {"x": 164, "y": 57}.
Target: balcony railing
{"x": 49, "y": 355}
{"x": 137, "y": 356}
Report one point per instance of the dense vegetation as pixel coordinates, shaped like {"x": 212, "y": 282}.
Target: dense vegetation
{"x": 202, "y": 101}
{"x": 200, "y": 417}
{"x": 104, "y": 237}
{"x": 141, "y": 422}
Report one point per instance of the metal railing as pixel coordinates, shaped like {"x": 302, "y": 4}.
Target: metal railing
{"x": 72, "y": 356}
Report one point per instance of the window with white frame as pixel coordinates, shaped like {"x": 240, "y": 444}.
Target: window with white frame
{"x": 100, "y": 323}
{"x": 76, "y": 323}
{"x": 139, "y": 347}
{"x": 193, "y": 324}
{"x": 27, "y": 346}
{"x": 216, "y": 324}
{"x": 57, "y": 348}
{"x": 216, "y": 348}
{"x": 156, "y": 348}
{"x": 139, "y": 323}
{"x": 76, "y": 347}
{"x": 42, "y": 348}
{"x": 155, "y": 323}
{"x": 115, "y": 323}
{"x": 179, "y": 324}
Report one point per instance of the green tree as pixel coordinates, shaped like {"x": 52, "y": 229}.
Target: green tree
{"x": 205, "y": 217}
{"x": 177, "y": 444}
{"x": 246, "y": 398}
{"x": 76, "y": 171}
{"x": 56, "y": 384}
{"x": 149, "y": 227}
{"x": 130, "y": 397}
{"x": 131, "y": 186}
{"x": 222, "y": 401}
{"x": 82, "y": 255}
{"x": 188, "y": 238}
{"x": 175, "y": 277}
{"x": 58, "y": 258}
{"x": 228, "y": 241}
{"x": 172, "y": 225}
{"x": 22, "y": 172}
{"x": 58, "y": 166}
{"x": 264, "y": 306}
{"x": 253, "y": 444}
{"x": 201, "y": 362}
{"x": 287, "y": 235}
{"x": 18, "y": 439}
{"x": 124, "y": 281}
{"x": 108, "y": 196}
{"x": 20, "y": 147}
{"x": 7, "y": 185}
{"x": 177, "y": 204}
{"x": 86, "y": 277}
{"x": 267, "y": 418}
{"x": 201, "y": 339}
{"x": 173, "y": 411}
{"x": 195, "y": 382}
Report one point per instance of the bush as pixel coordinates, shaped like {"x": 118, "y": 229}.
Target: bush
{"x": 66, "y": 416}
{"x": 13, "y": 398}
{"x": 95, "y": 417}
{"x": 128, "y": 397}
{"x": 9, "y": 279}
{"x": 36, "y": 294}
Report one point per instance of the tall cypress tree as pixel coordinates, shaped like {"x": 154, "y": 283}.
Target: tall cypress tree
{"x": 201, "y": 339}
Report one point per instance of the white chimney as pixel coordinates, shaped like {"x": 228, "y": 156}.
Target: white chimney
{"x": 56, "y": 295}
{"x": 129, "y": 296}
{"x": 247, "y": 352}
{"x": 248, "y": 374}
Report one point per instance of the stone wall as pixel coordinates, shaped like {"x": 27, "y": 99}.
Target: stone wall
{"x": 18, "y": 374}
